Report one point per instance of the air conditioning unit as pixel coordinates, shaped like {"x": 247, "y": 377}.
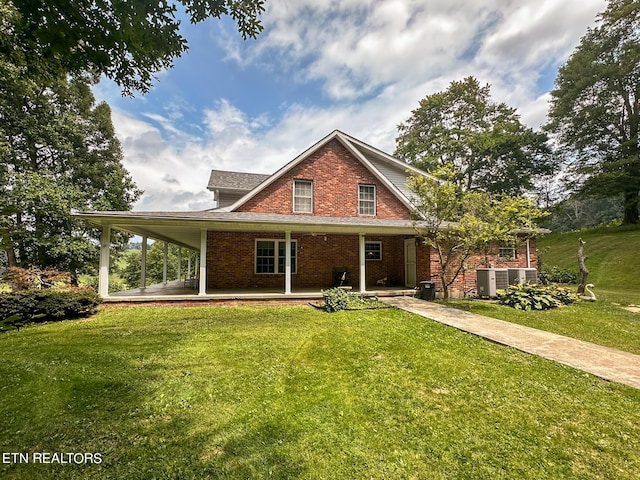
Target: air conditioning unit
{"x": 531, "y": 275}
{"x": 517, "y": 276}
{"x": 489, "y": 280}
{"x": 502, "y": 278}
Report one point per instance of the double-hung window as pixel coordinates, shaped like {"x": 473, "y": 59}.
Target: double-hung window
{"x": 270, "y": 256}
{"x": 373, "y": 250}
{"x": 367, "y": 200}
{"x": 303, "y": 196}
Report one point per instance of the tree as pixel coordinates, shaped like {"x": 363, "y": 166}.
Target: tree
{"x": 132, "y": 264}
{"x": 595, "y": 108}
{"x": 59, "y": 154}
{"x": 483, "y": 142}
{"x": 128, "y": 41}
{"x": 458, "y": 223}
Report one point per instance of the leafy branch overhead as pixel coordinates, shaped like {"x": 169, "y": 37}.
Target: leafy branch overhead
{"x": 128, "y": 41}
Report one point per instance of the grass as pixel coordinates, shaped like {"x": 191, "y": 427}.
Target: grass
{"x": 604, "y": 322}
{"x": 614, "y": 266}
{"x": 251, "y": 392}
{"x": 612, "y": 256}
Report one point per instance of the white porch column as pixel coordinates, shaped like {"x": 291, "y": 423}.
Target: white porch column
{"x": 189, "y": 265}
{"x": 164, "y": 263}
{"x": 528, "y": 254}
{"x": 202, "y": 288}
{"x": 143, "y": 258}
{"x": 363, "y": 267}
{"x": 287, "y": 263}
{"x": 179, "y": 263}
{"x": 103, "y": 275}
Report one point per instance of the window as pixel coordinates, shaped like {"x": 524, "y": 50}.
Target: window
{"x": 373, "y": 250}
{"x": 367, "y": 200}
{"x": 302, "y": 196}
{"x": 507, "y": 250}
{"x": 270, "y": 256}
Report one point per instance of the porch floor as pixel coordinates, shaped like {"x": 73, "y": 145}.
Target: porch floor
{"x": 175, "y": 291}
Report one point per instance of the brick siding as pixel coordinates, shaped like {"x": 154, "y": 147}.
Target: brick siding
{"x": 231, "y": 261}
{"x": 336, "y": 175}
{"x": 466, "y": 281}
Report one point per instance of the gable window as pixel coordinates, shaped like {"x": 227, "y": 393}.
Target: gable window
{"x": 373, "y": 250}
{"x": 270, "y": 256}
{"x": 367, "y": 200}
{"x": 302, "y": 196}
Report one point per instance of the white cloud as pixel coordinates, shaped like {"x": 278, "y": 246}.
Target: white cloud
{"x": 374, "y": 59}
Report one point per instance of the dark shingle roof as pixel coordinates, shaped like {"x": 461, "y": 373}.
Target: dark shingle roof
{"x": 224, "y": 180}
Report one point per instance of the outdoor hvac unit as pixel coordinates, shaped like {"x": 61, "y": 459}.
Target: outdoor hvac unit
{"x": 531, "y": 275}
{"x": 517, "y": 276}
{"x": 489, "y": 280}
{"x": 522, "y": 275}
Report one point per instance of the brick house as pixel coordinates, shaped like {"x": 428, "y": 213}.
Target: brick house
{"x": 340, "y": 206}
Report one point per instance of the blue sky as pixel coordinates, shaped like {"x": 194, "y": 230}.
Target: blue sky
{"x": 360, "y": 66}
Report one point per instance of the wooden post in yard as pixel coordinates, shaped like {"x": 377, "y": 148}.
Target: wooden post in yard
{"x": 584, "y": 273}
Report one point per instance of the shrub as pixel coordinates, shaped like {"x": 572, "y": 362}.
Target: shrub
{"x": 337, "y": 299}
{"x": 558, "y": 275}
{"x": 536, "y": 297}
{"x": 22, "y": 279}
{"x": 17, "y": 308}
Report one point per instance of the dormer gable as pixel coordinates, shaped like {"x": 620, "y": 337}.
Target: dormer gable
{"x": 229, "y": 187}
{"x": 339, "y": 176}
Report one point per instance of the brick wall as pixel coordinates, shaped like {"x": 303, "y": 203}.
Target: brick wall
{"x": 336, "y": 175}
{"x": 466, "y": 281}
{"x": 231, "y": 261}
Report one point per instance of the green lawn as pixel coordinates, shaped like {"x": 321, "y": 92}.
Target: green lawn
{"x": 604, "y": 322}
{"x": 251, "y": 392}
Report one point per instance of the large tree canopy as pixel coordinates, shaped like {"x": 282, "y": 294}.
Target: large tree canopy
{"x": 59, "y": 153}
{"x": 595, "y": 107}
{"x": 128, "y": 41}
{"x": 484, "y": 142}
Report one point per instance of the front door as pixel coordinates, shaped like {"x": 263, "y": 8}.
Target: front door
{"x": 410, "y": 262}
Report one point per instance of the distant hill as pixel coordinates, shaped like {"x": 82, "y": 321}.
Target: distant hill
{"x": 613, "y": 255}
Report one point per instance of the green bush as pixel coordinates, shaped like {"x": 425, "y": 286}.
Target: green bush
{"x": 558, "y": 275}
{"x": 536, "y": 297}
{"x": 337, "y": 299}
{"x": 17, "y": 308}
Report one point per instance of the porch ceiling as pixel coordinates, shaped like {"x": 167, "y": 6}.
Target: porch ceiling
{"x": 183, "y": 228}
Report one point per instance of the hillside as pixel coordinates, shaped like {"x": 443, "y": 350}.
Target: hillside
{"x": 613, "y": 255}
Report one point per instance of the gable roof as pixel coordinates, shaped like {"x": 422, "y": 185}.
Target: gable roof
{"x": 390, "y": 171}
{"x": 235, "y": 181}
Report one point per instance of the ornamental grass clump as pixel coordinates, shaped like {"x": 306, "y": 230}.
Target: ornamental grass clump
{"x": 528, "y": 296}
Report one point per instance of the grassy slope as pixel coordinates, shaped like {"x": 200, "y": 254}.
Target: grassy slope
{"x": 298, "y": 393}
{"x": 613, "y": 257}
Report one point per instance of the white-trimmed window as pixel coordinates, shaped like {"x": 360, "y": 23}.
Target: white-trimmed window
{"x": 373, "y": 250}
{"x": 507, "y": 250}
{"x": 367, "y": 200}
{"x": 303, "y": 196}
{"x": 270, "y": 255}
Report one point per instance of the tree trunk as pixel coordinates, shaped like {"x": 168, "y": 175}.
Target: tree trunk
{"x": 631, "y": 214}
{"x": 584, "y": 273}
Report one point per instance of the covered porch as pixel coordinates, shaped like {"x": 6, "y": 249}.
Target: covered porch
{"x": 175, "y": 291}
{"x": 225, "y": 270}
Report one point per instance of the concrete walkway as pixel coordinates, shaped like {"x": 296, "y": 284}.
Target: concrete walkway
{"x": 604, "y": 362}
